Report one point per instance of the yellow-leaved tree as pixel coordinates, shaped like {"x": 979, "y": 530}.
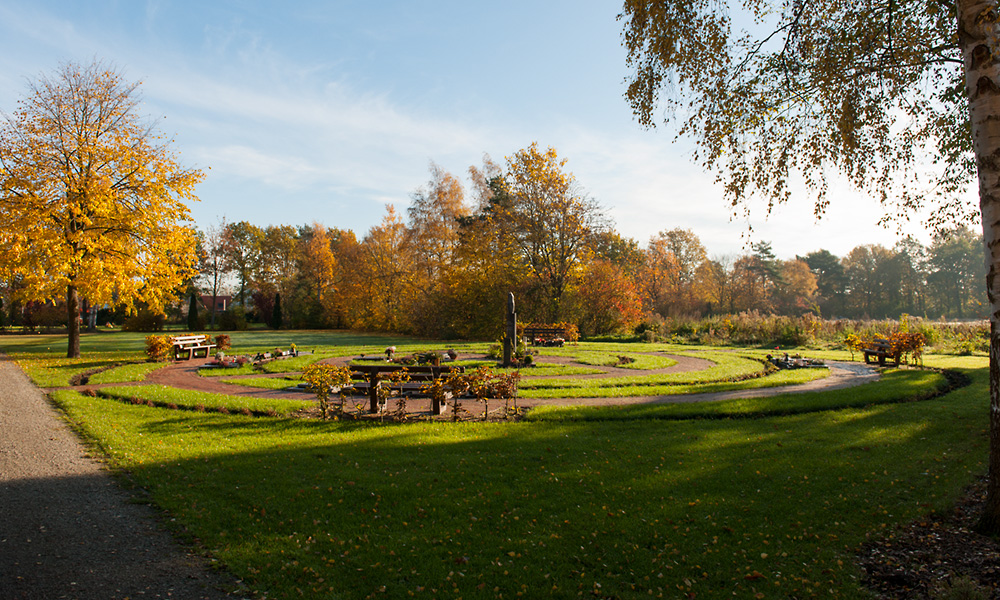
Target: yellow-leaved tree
{"x": 92, "y": 200}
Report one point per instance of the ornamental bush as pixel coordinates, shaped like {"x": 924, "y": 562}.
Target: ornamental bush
{"x": 145, "y": 320}
{"x": 323, "y": 380}
{"x": 158, "y": 347}
{"x": 222, "y": 342}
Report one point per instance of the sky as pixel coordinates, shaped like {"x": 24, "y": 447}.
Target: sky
{"x": 327, "y": 111}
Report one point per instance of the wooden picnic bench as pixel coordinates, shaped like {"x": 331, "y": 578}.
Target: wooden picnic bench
{"x": 880, "y": 350}
{"x": 545, "y": 336}
{"x": 187, "y": 347}
{"x": 420, "y": 375}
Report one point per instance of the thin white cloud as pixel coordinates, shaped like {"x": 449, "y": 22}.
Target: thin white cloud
{"x": 296, "y": 138}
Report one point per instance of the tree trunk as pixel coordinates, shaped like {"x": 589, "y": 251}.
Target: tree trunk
{"x": 977, "y": 38}
{"x": 73, "y": 321}
{"x": 215, "y": 302}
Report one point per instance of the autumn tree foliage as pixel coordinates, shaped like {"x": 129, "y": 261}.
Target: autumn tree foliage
{"x": 609, "y": 299}
{"x": 242, "y": 242}
{"x": 486, "y": 264}
{"x": 446, "y": 272}
{"x": 92, "y": 200}
{"x": 433, "y": 235}
{"x": 672, "y": 259}
{"x": 551, "y": 220}
{"x": 384, "y": 273}
{"x": 317, "y": 274}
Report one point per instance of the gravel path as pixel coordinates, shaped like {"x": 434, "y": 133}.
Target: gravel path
{"x": 67, "y": 529}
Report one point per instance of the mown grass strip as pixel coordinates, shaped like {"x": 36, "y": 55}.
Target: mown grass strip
{"x": 266, "y": 383}
{"x": 48, "y": 371}
{"x": 125, "y": 373}
{"x": 894, "y": 386}
{"x": 167, "y": 396}
{"x": 640, "y": 362}
{"x": 727, "y": 367}
{"x": 597, "y": 390}
{"x": 208, "y": 371}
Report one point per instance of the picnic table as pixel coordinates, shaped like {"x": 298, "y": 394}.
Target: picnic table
{"x": 420, "y": 375}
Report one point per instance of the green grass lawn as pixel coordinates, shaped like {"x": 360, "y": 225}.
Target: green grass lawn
{"x": 164, "y": 395}
{"x": 48, "y": 370}
{"x": 894, "y": 386}
{"x": 266, "y": 383}
{"x": 126, "y": 373}
{"x": 610, "y": 358}
{"x": 597, "y": 505}
{"x": 728, "y": 367}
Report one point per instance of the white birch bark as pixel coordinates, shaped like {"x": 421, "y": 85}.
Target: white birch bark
{"x": 978, "y": 39}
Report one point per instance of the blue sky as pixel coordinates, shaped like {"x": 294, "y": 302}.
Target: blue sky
{"x": 329, "y": 110}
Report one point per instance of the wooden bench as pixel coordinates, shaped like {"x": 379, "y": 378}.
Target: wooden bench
{"x": 187, "y": 347}
{"x": 881, "y": 350}
{"x": 545, "y": 336}
{"x": 420, "y": 375}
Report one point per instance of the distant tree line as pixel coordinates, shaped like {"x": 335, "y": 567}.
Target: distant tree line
{"x": 445, "y": 267}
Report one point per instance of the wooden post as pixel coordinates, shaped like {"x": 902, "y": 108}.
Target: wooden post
{"x": 373, "y": 391}
{"x": 510, "y": 339}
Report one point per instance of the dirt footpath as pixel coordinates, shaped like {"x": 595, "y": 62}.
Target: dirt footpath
{"x": 67, "y": 529}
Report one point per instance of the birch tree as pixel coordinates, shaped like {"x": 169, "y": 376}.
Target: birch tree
{"x": 900, "y": 97}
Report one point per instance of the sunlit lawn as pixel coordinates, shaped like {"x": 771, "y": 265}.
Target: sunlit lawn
{"x": 163, "y": 396}
{"x": 594, "y": 507}
{"x": 49, "y": 370}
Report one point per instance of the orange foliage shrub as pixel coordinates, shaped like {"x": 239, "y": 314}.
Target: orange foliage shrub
{"x": 158, "y": 347}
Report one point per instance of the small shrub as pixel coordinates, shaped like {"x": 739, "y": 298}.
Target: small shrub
{"x": 790, "y": 334}
{"x": 649, "y": 329}
{"x": 49, "y": 316}
{"x": 322, "y": 380}
{"x": 145, "y": 320}
{"x": 234, "y": 319}
{"x": 222, "y": 342}
{"x": 158, "y": 347}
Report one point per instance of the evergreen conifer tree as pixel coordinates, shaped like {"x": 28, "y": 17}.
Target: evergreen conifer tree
{"x": 276, "y": 313}
{"x": 193, "y": 324}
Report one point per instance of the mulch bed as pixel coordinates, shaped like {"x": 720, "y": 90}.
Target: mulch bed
{"x": 919, "y": 559}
